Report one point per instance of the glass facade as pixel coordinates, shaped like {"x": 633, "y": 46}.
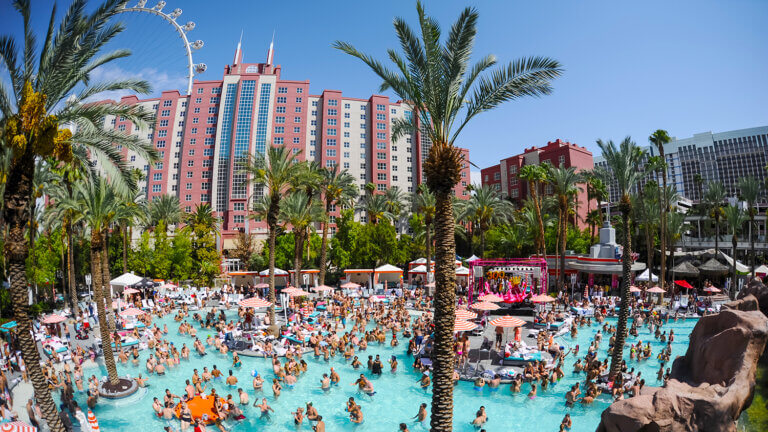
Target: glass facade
{"x": 222, "y": 180}
{"x": 242, "y": 138}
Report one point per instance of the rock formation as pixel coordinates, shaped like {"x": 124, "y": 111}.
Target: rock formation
{"x": 759, "y": 290}
{"x": 709, "y": 386}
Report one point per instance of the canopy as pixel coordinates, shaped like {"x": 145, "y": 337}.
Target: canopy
{"x": 418, "y": 261}
{"x": 278, "y": 272}
{"x": 685, "y": 269}
{"x": 644, "y": 276}
{"x": 493, "y": 298}
{"x": 741, "y": 268}
{"x": 131, "y": 291}
{"x": 254, "y": 302}
{"x": 633, "y": 288}
{"x": 53, "y": 319}
{"x": 656, "y": 290}
{"x": 541, "y": 298}
{"x": 473, "y": 258}
{"x": 420, "y": 269}
{"x": 684, "y": 284}
{"x": 465, "y": 314}
{"x": 462, "y": 271}
{"x": 762, "y": 270}
{"x": 486, "y": 306}
{"x": 461, "y": 325}
{"x": 350, "y": 285}
{"x": 126, "y": 279}
{"x": 388, "y": 268}
{"x": 323, "y": 288}
{"x": 261, "y": 285}
{"x": 144, "y": 283}
{"x": 507, "y": 321}
{"x": 713, "y": 267}
{"x": 297, "y": 293}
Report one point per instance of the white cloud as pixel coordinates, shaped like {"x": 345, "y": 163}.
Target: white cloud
{"x": 159, "y": 81}
{"x": 475, "y": 178}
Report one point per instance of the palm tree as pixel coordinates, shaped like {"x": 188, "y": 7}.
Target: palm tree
{"x": 395, "y": 198}
{"x": 659, "y": 138}
{"x": 750, "y": 192}
{"x": 536, "y": 175}
{"x": 598, "y": 191}
{"x": 165, "y": 209}
{"x": 299, "y": 212}
{"x": 488, "y": 208}
{"x": 698, "y": 180}
{"x": 338, "y": 187}
{"x": 375, "y": 208}
{"x": 203, "y": 227}
{"x": 646, "y": 206}
{"x": 564, "y": 183}
{"x": 96, "y": 204}
{"x": 676, "y": 226}
{"x": 47, "y": 89}
{"x": 594, "y": 219}
{"x": 273, "y": 171}
{"x": 714, "y": 197}
{"x": 623, "y": 162}
{"x": 132, "y": 209}
{"x": 734, "y": 218}
{"x": 439, "y": 83}
{"x": 423, "y": 204}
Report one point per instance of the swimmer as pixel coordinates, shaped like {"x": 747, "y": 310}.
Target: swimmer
{"x": 265, "y": 409}
{"x": 243, "y": 397}
{"x": 231, "y": 379}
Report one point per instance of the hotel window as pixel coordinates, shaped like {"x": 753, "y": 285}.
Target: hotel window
{"x": 163, "y": 123}
{"x": 298, "y": 100}
{"x": 313, "y": 122}
{"x": 380, "y": 116}
{"x": 205, "y": 197}
{"x": 381, "y": 156}
{"x": 513, "y": 169}
{"x": 280, "y": 110}
{"x": 157, "y": 176}
{"x": 280, "y": 119}
{"x": 213, "y": 110}
{"x": 297, "y": 109}
{"x": 198, "y": 100}
{"x": 346, "y": 106}
{"x": 297, "y": 119}
{"x": 330, "y": 163}
{"x": 156, "y": 188}
{"x": 187, "y": 198}
{"x": 278, "y": 140}
{"x": 380, "y": 107}
{"x": 561, "y": 160}
{"x": 346, "y": 116}
{"x": 133, "y": 158}
{"x": 207, "y": 163}
{"x": 314, "y": 112}
{"x": 409, "y": 159}
{"x": 296, "y": 129}
{"x": 381, "y": 135}
{"x": 331, "y": 142}
{"x": 121, "y": 128}
{"x": 312, "y": 142}
{"x": 362, "y": 135}
{"x": 279, "y": 129}
{"x": 175, "y": 176}
{"x": 394, "y": 178}
{"x": 496, "y": 176}
{"x": 381, "y": 146}
{"x": 346, "y": 144}
{"x": 410, "y": 179}
{"x": 165, "y": 113}
{"x": 332, "y": 131}
{"x": 193, "y": 130}
{"x": 195, "y": 120}
{"x": 394, "y": 158}
{"x": 208, "y": 141}
{"x": 281, "y": 99}
{"x": 206, "y": 174}
{"x": 381, "y": 126}
{"x": 394, "y": 148}
{"x": 189, "y": 174}
{"x": 333, "y": 102}
{"x": 238, "y": 219}
{"x": 282, "y": 90}
{"x": 331, "y": 122}
{"x": 190, "y": 163}
{"x": 346, "y": 154}
{"x": 312, "y": 153}
{"x": 207, "y": 152}
{"x": 332, "y": 112}
{"x": 238, "y": 206}
{"x": 512, "y": 181}
{"x": 515, "y": 193}
{"x": 158, "y": 165}
{"x": 346, "y": 135}
{"x": 394, "y": 167}
{"x": 299, "y": 90}
{"x": 214, "y": 100}
{"x": 381, "y": 166}
{"x": 393, "y": 111}
{"x": 216, "y": 90}
{"x": 211, "y": 120}
{"x": 314, "y": 103}
{"x": 200, "y": 90}
{"x": 346, "y": 165}
{"x": 381, "y": 176}
{"x": 409, "y": 169}
{"x": 381, "y": 187}
{"x": 167, "y": 103}
{"x": 362, "y": 145}
{"x": 205, "y": 186}
{"x": 330, "y": 152}
{"x": 362, "y": 125}
{"x": 191, "y": 152}
{"x": 196, "y": 111}
{"x": 189, "y": 186}
{"x": 161, "y": 144}
{"x": 296, "y": 140}
{"x": 181, "y": 123}
{"x": 362, "y": 116}
{"x": 210, "y": 131}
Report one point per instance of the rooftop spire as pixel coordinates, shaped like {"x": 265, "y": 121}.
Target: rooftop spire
{"x": 271, "y": 52}
{"x": 238, "y": 52}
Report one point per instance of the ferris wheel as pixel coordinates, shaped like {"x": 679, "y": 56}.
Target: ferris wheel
{"x": 182, "y": 30}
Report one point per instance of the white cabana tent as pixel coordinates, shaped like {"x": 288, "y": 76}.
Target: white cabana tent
{"x": 761, "y": 271}
{"x": 119, "y": 283}
{"x": 462, "y": 273}
{"x": 643, "y": 277}
{"x": 740, "y": 268}
{"x": 419, "y": 271}
{"x": 281, "y": 277}
{"x": 308, "y": 277}
{"x": 359, "y": 276}
{"x": 473, "y": 258}
{"x": 387, "y": 274}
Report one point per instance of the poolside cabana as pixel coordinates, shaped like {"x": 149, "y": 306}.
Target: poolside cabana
{"x": 282, "y": 278}
{"x": 647, "y": 276}
{"x": 388, "y": 275}
{"x": 308, "y": 277}
{"x": 237, "y": 278}
{"x": 462, "y": 275}
{"x": 419, "y": 272}
{"x": 360, "y": 276}
{"x": 118, "y": 284}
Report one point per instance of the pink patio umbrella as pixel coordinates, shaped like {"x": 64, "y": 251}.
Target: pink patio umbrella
{"x": 129, "y": 291}
{"x": 322, "y": 288}
{"x": 132, "y": 312}
{"x": 490, "y": 298}
{"x": 541, "y": 298}
{"x": 484, "y": 306}
{"x": 430, "y": 285}
{"x": 17, "y": 426}
{"x": 656, "y": 290}
{"x": 254, "y": 302}
{"x": 289, "y": 289}
{"x": 297, "y": 293}
{"x": 261, "y": 285}
{"x": 53, "y": 319}
{"x": 634, "y": 289}
{"x": 350, "y": 285}
{"x": 462, "y": 326}
{"x": 711, "y": 289}
{"x": 465, "y": 314}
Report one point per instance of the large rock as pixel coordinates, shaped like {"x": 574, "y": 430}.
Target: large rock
{"x": 758, "y": 289}
{"x": 709, "y": 386}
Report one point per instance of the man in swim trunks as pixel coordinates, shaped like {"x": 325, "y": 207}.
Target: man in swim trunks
{"x": 265, "y": 409}
{"x": 325, "y": 383}
{"x": 231, "y": 379}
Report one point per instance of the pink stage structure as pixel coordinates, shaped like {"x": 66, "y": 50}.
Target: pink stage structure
{"x": 521, "y": 266}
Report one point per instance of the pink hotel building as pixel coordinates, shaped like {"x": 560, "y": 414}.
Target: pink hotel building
{"x": 204, "y": 138}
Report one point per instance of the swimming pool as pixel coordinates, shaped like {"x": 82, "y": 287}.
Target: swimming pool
{"x": 397, "y": 397}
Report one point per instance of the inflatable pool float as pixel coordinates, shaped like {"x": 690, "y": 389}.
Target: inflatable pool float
{"x": 201, "y": 409}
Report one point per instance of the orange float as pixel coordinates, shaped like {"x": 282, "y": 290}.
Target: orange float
{"x": 199, "y": 407}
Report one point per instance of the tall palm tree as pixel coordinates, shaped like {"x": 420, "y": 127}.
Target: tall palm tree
{"x": 750, "y": 192}
{"x": 564, "y": 183}
{"x": 338, "y": 188}
{"x": 734, "y": 218}
{"x": 96, "y": 204}
{"x": 659, "y": 138}
{"x": 623, "y": 162}
{"x": 646, "y": 207}
{"x": 132, "y": 209}
{"x": 596, "y": 190}
{"x": 203, "y": 228}
{"x": 423, "y": 203}
{"x": 536, "y": 175}
{"x": 300, "y": 213}
{"x": 488, "y": 208}
{"x": 439, "y": 83}
{"x": 395, "y": 198}
{"x": 273, "y": 171}
{"x": 714, "y": 197}
{"x": 309, "y": 179}
{"x": 594, "y": 219}
{"x": 47, "y": 88}
{"x": 676, "y": 226}
{"x": 166, "y": 209}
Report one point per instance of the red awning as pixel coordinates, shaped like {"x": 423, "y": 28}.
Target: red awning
{"x": 684, "y": 284}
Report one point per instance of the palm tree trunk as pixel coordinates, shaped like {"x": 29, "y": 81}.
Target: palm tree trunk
{"x": 97, "y": 246}
{"x": 124, "y": 231}
{"x": 428, "y": 250}
{"x": 562, "y": 251}
{"x": 539, "y": 220}
{"x": 272, "y": 225}
{"x": 717, "y": 233}
{"x": 324, "y": 247}
{"x": 626, "y": 267}
{"x": 664, "y": 211}
{"x": 17, "y": 196}
{"x": 445, "y": 313}
{"x": 71, "y": 268}
{"x": 732, "y": 291}
{"x": 650, "y": 248}
{"x": 297, "y": 251}
{"x": 106, "y": 281}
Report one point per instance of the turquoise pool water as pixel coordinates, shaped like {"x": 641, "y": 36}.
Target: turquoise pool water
{"x": 397, "y": 395}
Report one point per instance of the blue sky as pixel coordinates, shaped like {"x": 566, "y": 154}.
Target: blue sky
{"x": 630, "y": 67}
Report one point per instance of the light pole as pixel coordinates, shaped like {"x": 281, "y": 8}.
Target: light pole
{"x": 88, "y": 284}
